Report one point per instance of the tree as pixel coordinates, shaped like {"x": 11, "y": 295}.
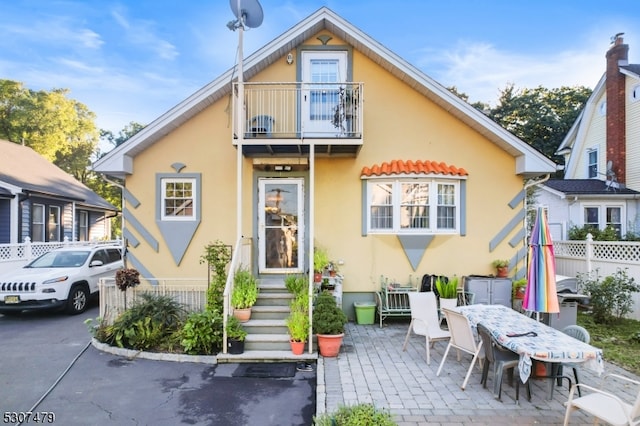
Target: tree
{"x": 541, "y": 117}
{"x": 50, "y": 123}
{"x": 123, "y": 135}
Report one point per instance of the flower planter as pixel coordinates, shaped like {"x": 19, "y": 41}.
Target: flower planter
{"x": 329, "y": 344}
{"x": 235, "y": 347}
{"x": 297, "y": 347}
{"x": 243, "y": 315}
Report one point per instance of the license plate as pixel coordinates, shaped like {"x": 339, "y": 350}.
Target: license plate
{"x": 11, "y": 299}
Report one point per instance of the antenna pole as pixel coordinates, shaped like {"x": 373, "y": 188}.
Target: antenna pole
{"x": 239, "y": 122}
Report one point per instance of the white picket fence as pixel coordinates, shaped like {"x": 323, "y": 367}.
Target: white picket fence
{"x": 602, "y": 257}
{"x": 191, "y": 293}
{"x": 14, "y": 256}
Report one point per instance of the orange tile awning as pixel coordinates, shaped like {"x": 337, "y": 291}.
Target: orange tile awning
{"x": 398, "y": 167}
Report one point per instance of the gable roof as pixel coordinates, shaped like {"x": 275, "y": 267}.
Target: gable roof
{"x": 575, "y": 134}
{"x": 24, "y": 169}
{"x": 529, "y": 163}
{"x": 588, "y": 187}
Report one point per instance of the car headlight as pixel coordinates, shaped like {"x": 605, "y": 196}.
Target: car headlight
{"x": 56, "y": 280}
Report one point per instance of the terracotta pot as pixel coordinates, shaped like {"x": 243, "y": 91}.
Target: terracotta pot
{"x": 243, "y": 315}
{"x": 297, "y": 347}
{"x": 519, "y": 293}
{"x": 329, "y": 344}
{"x": 317, "y": 277}
{"x": 502, "y": 272}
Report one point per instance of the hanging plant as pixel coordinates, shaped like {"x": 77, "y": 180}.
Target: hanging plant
{"x": 127, "y": 277}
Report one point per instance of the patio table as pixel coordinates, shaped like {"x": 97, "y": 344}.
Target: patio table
{"x": 532, "y": 339}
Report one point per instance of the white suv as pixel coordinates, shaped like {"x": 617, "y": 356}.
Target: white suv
{"x": 64, "y": 278}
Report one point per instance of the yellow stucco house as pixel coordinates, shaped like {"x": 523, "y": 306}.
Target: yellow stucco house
{"x": 338, "y": 143}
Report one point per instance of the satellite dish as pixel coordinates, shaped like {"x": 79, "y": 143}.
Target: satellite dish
{"x": 248, "y": 12}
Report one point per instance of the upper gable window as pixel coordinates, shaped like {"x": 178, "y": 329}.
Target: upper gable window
{"x": 413, "y": 206}
{"x": 635, "y": 93}
{"x": 592, "y": 163}
{"x": 602, "y": 108}
{"x": 178, "y": 199}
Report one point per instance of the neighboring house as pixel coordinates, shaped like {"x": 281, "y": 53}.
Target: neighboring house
{"x": 340, "y": 144}
{"x": 602, "y": 156}
{"x": 40, "y": 201}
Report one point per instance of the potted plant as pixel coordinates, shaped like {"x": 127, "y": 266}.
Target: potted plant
{"x": 519, "y": 287}
{"x": 320, "y": 262}
{"x": 328, "y": 324}
{"x": 502, "y": 267}
{"x": 298, "y": 325}
{"x": 244, "y": 295}
{"x": 298, "y": 320}
{"x": 235, "y": 336}
{"x": 447, "y": 290}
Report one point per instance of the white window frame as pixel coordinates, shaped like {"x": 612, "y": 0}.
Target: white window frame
{"x": 83, "y": 225}
{"x": 163, "y": 194}
{"x": 592, "y": 163}
{"x": 54, "y": 223}
{"x": 602, "y": 215}
{"x": 396, "y": 205}
{"x": 38, "y": 221}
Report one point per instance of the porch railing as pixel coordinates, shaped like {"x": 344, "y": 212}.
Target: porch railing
{"x": 238, "y": 259}
{"x": 289, "y": 110}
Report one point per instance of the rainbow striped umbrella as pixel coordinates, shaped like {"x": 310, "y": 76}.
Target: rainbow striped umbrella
{"x": 540, "y": 294}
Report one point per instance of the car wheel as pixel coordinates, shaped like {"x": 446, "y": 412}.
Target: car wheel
{"x": 77, "y": 300}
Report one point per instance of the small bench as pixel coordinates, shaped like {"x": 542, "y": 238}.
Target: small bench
{"x": 393, "y": 301}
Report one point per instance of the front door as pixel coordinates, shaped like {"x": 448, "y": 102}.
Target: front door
{"x": 321, "y": 72}
{"x": 280, "y": 225}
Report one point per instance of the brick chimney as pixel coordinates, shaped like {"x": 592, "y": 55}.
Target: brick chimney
{"x": 616, "y": 111}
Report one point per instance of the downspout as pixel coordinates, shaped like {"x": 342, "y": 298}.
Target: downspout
{"x": 312, "y": 195}
{"x": 122, "y": 206}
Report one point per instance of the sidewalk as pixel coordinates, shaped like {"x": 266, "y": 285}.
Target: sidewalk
{"x": 372, "y": 368}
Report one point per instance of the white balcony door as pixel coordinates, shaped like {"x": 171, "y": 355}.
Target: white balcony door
{"x": 280, "y": 225}
{"x": 322, "y": 73}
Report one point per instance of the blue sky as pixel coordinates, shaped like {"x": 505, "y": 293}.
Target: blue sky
{"x": 134, "y": 60}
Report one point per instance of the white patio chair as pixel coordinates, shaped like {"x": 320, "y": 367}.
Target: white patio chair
{"x": 424, "y": 320}
{"x": 462, "y": 339}
{"x": 603, "y": 405}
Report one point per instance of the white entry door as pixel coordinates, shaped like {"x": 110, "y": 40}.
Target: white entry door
{"x": 321, "y": 74}
{"x": 280, "y": 225}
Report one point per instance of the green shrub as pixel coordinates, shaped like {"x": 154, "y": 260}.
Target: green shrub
{"x": 296, "y": 284}
{"x": 146, "y": 324}
{"x": 328, "y": 318}
{"x": 234, "y": 329}
{"x": 356, "y": 415}
{"x": 217, "y": 256}
{"x": 202, "y": 333}
{"x": 610, "y": 299}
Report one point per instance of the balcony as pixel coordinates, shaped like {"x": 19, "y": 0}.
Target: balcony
{"x": 285, "y": 119}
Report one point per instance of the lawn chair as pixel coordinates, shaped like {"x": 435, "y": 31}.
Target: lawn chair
{"x": 502, "y": 359}
{"x": 603, "y": 405}
{"x": 462, "y": 339}
{"x": 580, "y": 333}
{"x": 424, "y": 320}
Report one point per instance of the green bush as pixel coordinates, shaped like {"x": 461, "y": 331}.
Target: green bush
{"x": 447, "y": 288}
{"x": 296, "y": 284}
{"x": 610, "y": 299}
{"x": 217, "y": 256}
{"x": 202, "y": 333}
{"x": 245, "y": 289}
{"x": 146, "y": 324}
{"x": 328, "y": 318}
{"x": 356, "y": 415}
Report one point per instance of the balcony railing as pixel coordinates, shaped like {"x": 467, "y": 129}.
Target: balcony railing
{"x": 300, "y": 110}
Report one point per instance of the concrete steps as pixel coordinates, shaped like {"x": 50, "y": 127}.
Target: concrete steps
{"x": 268, "y": 336}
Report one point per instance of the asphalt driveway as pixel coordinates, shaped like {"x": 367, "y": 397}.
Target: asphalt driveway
{"x": 48, "y": 365}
